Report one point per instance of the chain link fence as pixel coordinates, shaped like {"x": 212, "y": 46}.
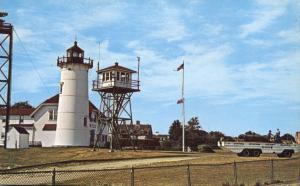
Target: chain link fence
{"x": 237, "y": 173}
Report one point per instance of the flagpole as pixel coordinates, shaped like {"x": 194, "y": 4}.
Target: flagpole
{"x": 183, "y": 111}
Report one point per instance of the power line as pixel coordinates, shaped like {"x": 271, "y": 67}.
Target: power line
{"x": 30, "y": 60}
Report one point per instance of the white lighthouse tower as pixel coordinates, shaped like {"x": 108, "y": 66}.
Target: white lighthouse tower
{"x": 72, "y": 119}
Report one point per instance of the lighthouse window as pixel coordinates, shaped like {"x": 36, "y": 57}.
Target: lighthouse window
{"x": 80, "y": 54}
{"x": 69, "y": 54}
{"x": 85, "y": 121}
{"x": 61, "y": 86}
{"x": 75, "y": 54}
{"x": 53, "y": 115}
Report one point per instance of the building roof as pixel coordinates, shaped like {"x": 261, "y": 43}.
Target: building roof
{"x": 20, "y": 130}
{"x": 18, "y": 110}
{"x": 116, "y": 67}
{"x": 23, "y": 125}
{"x": 49, "y": 127}
{"x": 55, "y": 99}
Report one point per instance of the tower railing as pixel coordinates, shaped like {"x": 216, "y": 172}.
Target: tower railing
{"x": 100, "y": 84}
{"x": 61, "y": 61}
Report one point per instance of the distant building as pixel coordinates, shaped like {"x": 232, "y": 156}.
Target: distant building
{"x": 140, "y": 134}
{"x": 17, "y": 138}
{"x": 136, "y": 131}
{"x": 297, "y": 137}
{"x": 162, "y": 137}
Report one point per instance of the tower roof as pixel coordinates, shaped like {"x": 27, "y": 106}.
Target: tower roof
{"x": 75, "y": 48}
{"x": 116, "y": 67}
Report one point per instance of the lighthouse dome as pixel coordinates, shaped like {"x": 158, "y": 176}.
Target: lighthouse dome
{"x": 75, "y": 51}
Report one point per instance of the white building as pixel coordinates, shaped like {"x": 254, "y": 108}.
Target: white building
{"x": 45, "y": 123}
{"x": 19, "y": 115}
{"x": 17, "y": 138}
{"x": 72, "y": 120}
{"x": 41, "y": 122}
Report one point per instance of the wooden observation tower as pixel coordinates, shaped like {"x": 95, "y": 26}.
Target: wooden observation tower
{"x": 115, "y": 85}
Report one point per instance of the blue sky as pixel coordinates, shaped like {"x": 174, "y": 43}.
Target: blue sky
{"x": 242, "y": 58}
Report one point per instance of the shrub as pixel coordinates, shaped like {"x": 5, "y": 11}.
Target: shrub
{"x": 205, "y": 148}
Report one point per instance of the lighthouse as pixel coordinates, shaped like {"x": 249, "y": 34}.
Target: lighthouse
{"x": 72, "y": 117}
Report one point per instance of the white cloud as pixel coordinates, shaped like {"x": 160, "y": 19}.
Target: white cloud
{"x": 209, "y": 75}
{"x": 169, "y": 24}
{"x": 277, "y": 80}
{"x": 268, "y": 11}
{"x": 291, "y": 35}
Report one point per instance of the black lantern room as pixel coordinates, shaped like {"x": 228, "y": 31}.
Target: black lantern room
{"x": 75, "y": 55}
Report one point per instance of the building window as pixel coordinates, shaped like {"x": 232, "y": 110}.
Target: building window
{"x": 103, "y": 77}
{"x": 53, "y": 115}
{"x": 127, "y": 77}
{"x": 118, "y": 76}
{"x": 21, "y": 119}
{"x": 107, "y": 76}
{"x": 85, "y": 121}
{"x": 122, "y": 76}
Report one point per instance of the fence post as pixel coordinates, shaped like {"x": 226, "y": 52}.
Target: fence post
{"x": 235, "y": 173}
{"x": 132, "y": 176}
{"x": 189, "y": 175}
{"x": 53, "y": 177}
{"x": 272, "y": 171}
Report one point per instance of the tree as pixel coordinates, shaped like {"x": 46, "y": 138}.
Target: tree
{"x": 288, "y": 137}
{"x": 252, "y": 136}
{"x": 175, "y": 130}
{"x": 193, "y": 124}
{"x": 213, "y": 137}
{"x": 22, "y": 104}
{"x": 194, "y": 134}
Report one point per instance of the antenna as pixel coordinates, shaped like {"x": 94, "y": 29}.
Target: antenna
{"x": 99, "y": 51}
{"x": 139, "y": 59}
